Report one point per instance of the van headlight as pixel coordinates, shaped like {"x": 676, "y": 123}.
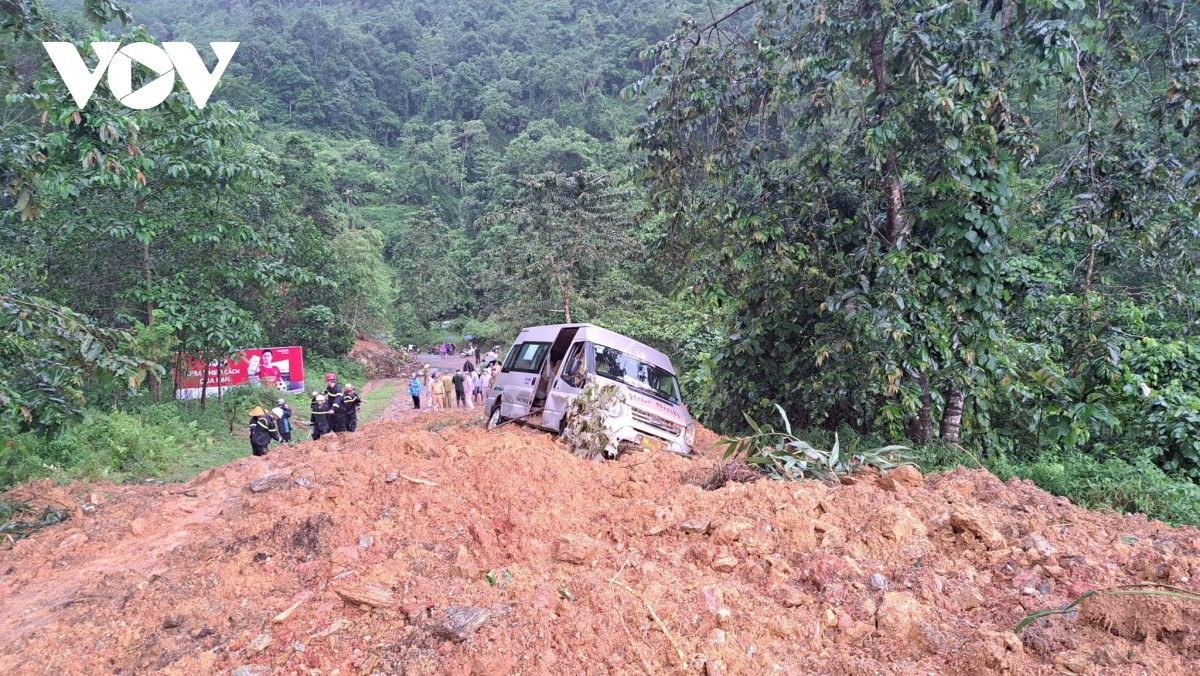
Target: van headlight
{"x": 689, "y": 434}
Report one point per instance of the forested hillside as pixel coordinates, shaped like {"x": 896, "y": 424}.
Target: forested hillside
{"x": 968, "y": 225}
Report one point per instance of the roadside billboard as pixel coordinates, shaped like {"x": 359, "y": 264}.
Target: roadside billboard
{"x": 280, "y": 368}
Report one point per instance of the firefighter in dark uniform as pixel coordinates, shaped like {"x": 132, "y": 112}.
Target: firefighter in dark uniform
{"x": 262, "y": 431}
{"x": 350, "y": 403}
{"x": 320, "y": 416}
{"x": 333, "y": 393}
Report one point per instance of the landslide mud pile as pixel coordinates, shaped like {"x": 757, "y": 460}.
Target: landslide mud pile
{"x": 380, "y": 361}
{"x": 525, "y": 559}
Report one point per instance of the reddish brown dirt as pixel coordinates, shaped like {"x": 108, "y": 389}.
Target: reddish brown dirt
{"x": 379, "y": 360}
{"x": 598, "y": 568}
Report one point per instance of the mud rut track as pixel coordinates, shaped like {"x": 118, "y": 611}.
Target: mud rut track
{"x": 616, "y": 567}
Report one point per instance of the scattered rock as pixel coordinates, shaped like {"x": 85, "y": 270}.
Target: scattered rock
{"x": 969, "y": 599}
{"x": 391, "y": 477}
{"x": 73, "y": 540}
{"x": 694, "y": 526}
{"x": 250, "y": 670}
{"x": 729, "y": 532}
{"x": 268, "y": 482}
{"x": 484, "y": 535}
{"x": 1039, "y": 544}
{"x": 575, "y": 549}
{"x": 365, "y": 595}
{"x": 967, "y": 519}
{"x": 878, "y": 582}
{"x": 831, "y": 618}
{"x": 904, "y": 476}
{"x": 137, "y": 526}
{"x": 365, "y": 541}
{"x": 659, "y": 528}
{"x": 415, "y": 613}
{"x": 725, "y": 564}
{"x": 259, "y": 644}
{"x": 465, "y": 566}
{"x": 460, "y": 622}
{"x": 902, "y": 615}
{"x": 346, "y": 556}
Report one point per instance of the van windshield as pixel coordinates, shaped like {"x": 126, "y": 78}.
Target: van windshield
{"x": 648, "y": 378}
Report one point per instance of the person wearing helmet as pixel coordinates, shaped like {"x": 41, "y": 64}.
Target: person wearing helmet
{"x": 333, "y": 395}
{"x": 320, "y": 416}
{"x": 283, "y": 413}
{"x": 349, "y": 407}
{"x": 262, "y": 431}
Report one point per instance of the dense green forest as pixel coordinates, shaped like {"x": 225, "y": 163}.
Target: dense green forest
{"x": 968, "y": 225}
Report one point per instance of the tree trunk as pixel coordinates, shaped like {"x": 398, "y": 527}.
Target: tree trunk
{"x": 155, "y": 385}
{"x": 920, "y": 429}
{"x": 567, "y": 302}
{"x": 892, "y": 189}
{"x": 952, "y": 416}
{"x": 203, "y": 381}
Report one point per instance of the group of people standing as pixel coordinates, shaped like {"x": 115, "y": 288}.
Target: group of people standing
{"x": 334, "y": 410}
{"x": 463, "y": 389}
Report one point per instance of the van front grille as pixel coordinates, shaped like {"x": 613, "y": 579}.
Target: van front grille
{"x": 657, "y": 422}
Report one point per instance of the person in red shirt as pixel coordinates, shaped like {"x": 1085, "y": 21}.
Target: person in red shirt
{"x": 268, "y": 372}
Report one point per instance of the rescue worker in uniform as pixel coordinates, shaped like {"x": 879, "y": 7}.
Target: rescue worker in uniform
{"x": 333, "y": 394}
{"x": 283, "y": 414}
{"x": 350, "y": 402}
{"x": 262, "y": 431}
{"x": 320, "y": 416}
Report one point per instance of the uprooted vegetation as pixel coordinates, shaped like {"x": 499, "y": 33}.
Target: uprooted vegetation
{"x": 403, "y": 550}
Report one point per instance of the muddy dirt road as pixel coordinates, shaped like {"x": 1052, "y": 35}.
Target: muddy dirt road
{"x": 425, "y": 545}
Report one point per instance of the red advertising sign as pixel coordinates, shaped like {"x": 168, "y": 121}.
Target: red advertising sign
{"x": 280, "y": 368}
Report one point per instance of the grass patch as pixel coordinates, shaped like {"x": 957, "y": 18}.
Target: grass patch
{"x": 376, "y": 402}
{"x": 164, "y": 442}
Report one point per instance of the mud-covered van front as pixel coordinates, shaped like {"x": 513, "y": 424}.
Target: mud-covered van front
{"x": 547, "y": 367}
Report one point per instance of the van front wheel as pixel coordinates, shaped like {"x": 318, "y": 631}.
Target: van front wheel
{"x": 495, "y": 419}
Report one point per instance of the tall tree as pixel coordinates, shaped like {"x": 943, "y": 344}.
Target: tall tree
{"x": 564, "y": 227}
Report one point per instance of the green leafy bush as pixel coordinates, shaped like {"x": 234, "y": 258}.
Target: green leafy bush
{"x": 117, "y": 446}
{"x": 320, "y": 332}
{"x": 781, "y": 455}
{"x": 315, "y": 368}
{"x": 587, "y": 429}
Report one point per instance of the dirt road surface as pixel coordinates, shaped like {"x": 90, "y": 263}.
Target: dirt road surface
{"x": 425, "y": 545}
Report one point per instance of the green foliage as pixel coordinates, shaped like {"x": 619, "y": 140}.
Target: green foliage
{"x": 46, "y": 352}
{"x": 785, "y": 457}
{"x": 559, "y": 228}
{"x": 319, "y": 331}
{"x": 316, "y": 366}
{"x": 236, "y": 403}
{"x": 110, "y": 446}
{"x": 20, "y": 520}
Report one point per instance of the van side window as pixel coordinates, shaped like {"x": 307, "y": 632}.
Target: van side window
{"x": 527, "y": 357}
{"x": 512, "y": 356}
{"x": 575, "y": 368}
